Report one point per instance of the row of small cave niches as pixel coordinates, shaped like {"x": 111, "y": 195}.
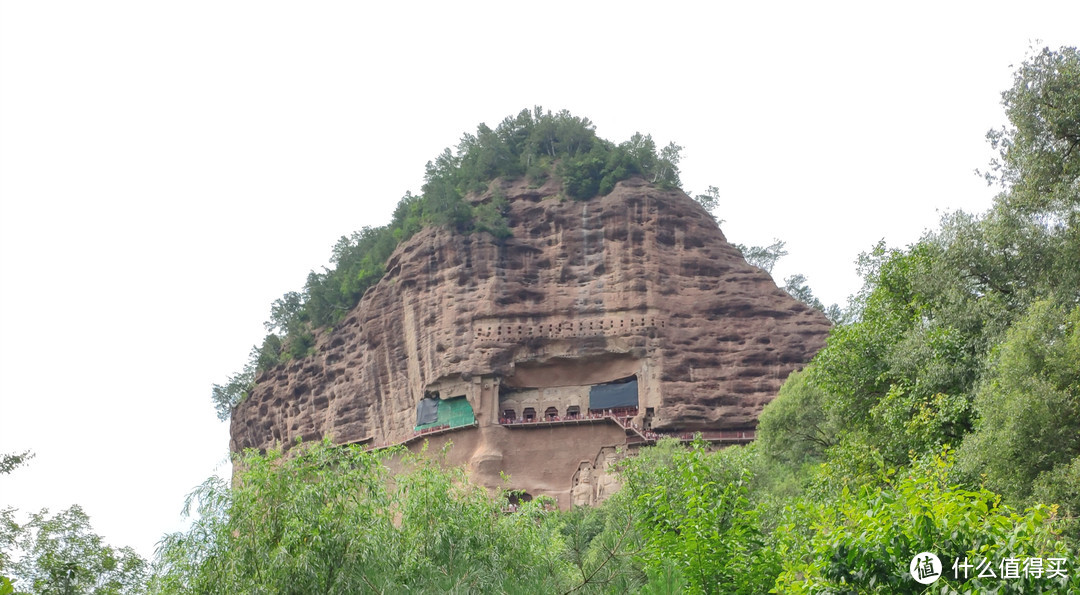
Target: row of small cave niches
{"x": 551, "y": 414}
{"x": 568, "y": 329}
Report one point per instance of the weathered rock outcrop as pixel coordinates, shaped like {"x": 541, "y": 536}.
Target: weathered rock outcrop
{"x": 640, "y": 283}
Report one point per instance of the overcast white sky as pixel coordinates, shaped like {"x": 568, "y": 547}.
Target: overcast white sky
{"x": 168, "y": 169}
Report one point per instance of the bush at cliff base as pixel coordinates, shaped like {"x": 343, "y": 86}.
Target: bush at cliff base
{"x": 328, "y": 519}
{"x": 865, "y": 539}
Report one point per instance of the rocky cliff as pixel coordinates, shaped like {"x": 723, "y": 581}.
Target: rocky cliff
{"x": 639, "y": 284}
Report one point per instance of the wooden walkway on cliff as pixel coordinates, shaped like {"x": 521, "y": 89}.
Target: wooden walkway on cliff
{"x": 421, "y": 434}
{"x": 635, "y": 436}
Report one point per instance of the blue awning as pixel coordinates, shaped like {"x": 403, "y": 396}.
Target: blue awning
{"x": 427, "y": 412}
{"x": 611, "y": 396}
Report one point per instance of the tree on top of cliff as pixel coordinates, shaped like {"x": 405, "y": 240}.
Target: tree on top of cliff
{"x": 535, "y": 145}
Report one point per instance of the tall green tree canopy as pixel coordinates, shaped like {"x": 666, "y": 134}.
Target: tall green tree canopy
{"x": 1039, "y": 152}
{"x": 1028, "y": 433}
{"x": 967, "y": 337}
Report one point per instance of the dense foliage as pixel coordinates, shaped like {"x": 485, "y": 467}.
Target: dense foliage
{"x": 864, "y": 538}
{"x": 534, "y": 145}
{"x": 968, "y": 341}
{"x": 327, "y": 519}
{"x": 969, "y": 336}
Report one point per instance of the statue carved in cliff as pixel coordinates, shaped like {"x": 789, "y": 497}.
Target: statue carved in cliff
{"x": 582, "y": 492}
{"x": 607, "y": 481}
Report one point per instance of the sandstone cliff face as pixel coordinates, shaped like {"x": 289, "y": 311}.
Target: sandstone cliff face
{"x": 638, "y": 283}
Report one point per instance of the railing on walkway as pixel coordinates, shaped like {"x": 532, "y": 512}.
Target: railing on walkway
{"x": 635, "y": 435}
{"x": 623, "y": 417}
{"x": 424, "y": 433}
{"x": 620, "y": 415}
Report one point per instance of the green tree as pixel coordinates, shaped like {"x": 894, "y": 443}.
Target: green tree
{"x": 699, "y": 528}
{"x": 328, "y": 519}
{"x": 62, "y": 555}
{"x": 763, "y": 257}
{"x": 906, "y": 371}
{"x": 1029, "y": 407}
{"x": 667, "y": 166}
{"x": 864, "y": 539}
{"x": 582, "y": 173}
{"x": 9, "y": 529}
{"x": 314, "y": 522}
{"x": 902, "y": 373}
{"x": 236, "y": 389}
{"x": 12, "y": 461}
{"x": 491, "y": 216}
{"x": 797, "y": 288}
{"x": 710, "y": 201}
{"x": 269, "y": 354}
{"x": 1039, "y": 151}
{"x": 798, "y": 427}
{"x": 601, "y": 547}
{"x": 285, "y": 313}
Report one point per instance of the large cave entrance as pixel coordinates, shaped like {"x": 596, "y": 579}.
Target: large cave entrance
{"x": 569, "y": 389}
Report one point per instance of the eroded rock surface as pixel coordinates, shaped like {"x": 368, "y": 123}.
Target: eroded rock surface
{"x": 640, "y": 283}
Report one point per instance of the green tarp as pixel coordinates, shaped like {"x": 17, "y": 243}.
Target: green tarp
{"x": 453, "y": 412}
